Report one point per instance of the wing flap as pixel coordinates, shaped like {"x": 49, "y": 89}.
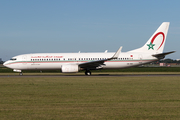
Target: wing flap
{"x": 92, "y": 64}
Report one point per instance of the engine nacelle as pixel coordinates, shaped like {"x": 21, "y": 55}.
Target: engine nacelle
{"x": 69, "y": 68}
{"x": 16, "y": 70}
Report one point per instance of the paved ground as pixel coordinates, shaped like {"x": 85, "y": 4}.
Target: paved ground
{"x": 98, "y": 75}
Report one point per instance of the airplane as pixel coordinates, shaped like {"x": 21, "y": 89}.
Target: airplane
{"x": 151, "y": 51}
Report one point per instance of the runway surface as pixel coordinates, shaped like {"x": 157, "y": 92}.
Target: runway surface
{"x": 97, "y": 75}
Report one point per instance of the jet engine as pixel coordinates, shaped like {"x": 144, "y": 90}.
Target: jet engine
{"x": 69, "y": 68}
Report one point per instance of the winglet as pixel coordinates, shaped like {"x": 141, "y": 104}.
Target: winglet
{"x": 117, "y": 53}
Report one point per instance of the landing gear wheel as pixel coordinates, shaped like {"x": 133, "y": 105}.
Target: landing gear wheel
{"x": 21, "y": 74}
{"x": 88, "y": 72}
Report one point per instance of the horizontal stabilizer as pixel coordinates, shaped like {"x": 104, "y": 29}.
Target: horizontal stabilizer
{"x": 162, "y": 55}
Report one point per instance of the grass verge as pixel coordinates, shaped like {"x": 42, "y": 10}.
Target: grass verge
{"x": 89, "y": 98}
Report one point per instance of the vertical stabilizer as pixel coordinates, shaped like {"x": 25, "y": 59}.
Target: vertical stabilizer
{"x": 157, "y": 41}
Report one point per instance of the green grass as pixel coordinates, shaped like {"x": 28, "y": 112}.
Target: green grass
{"x": 77, "y": 98}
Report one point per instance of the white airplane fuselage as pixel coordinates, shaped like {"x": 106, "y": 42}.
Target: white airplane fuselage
{"x": 54, "y": 61}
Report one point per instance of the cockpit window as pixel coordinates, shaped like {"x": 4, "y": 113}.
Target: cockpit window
{"x": 13, "y": 59}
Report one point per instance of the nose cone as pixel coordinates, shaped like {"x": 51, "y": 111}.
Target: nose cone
{"x": 12, "y": 65}
{"x": 4, "y": 64}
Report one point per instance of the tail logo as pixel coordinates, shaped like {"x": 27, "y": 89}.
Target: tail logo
{"x": 151, "y": 45}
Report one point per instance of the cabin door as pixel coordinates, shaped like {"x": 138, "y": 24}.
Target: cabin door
{"x": 24, "y": 60}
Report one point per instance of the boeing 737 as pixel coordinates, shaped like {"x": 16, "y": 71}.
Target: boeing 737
{"x": 75, "y": 62}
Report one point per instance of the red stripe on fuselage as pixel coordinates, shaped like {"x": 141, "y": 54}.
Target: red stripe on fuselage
{"x": 80, "y": 61}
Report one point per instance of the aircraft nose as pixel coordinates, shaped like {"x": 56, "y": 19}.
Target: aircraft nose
{"x": 5, "y": 63}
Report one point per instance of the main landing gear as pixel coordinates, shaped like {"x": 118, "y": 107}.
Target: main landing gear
{"x": 20, "y": 73}
{"x": 87, "y": 72}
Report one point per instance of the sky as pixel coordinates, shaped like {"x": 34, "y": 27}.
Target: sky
{"x": 60, "y": 26}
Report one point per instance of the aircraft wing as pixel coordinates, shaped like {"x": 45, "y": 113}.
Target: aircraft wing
{"x": 162, "y": 55}
{"x": 94, "y": 64}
